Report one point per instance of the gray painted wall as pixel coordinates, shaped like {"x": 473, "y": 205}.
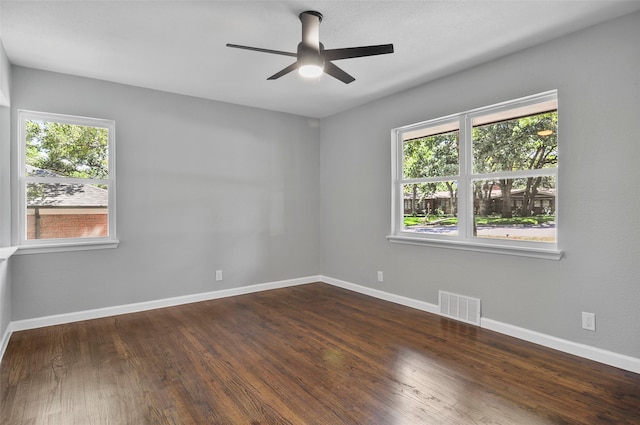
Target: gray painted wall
{"x": 5, "y": 299}
{"x": 597, "y": 74}
{"x": 201, "y": 186}
{"x": 5, "y": 185}
{"x": 5, "y": 77}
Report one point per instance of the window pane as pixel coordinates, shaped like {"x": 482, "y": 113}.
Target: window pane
{"x": 431, "y": 208}
{"x": 516, "y": 209}
{"x": 525, "y": 143}
{"x": 66, "y": 150}
{"x": 431, "y": 156}
{"x": 59, "y": 211}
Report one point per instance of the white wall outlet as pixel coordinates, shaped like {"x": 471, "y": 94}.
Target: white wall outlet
{"x": 588, "y": 321}
{"x": 218, "y": 275}
{"x": 380, "y": 276}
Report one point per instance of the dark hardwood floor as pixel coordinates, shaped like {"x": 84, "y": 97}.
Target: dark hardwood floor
{"x": 311, "y": 354}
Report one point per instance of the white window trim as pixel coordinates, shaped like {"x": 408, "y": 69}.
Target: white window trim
{"x": 26, "y": 246}
{"x": 465, "y": 240}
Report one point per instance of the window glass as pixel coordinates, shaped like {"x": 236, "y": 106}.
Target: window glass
{"x": 431, "y": 156}
{"x": 524, "y": 143}
{"x": 67, "y": 179}
{"x": 515, "y": 209}
{"x": 431, "y": 208}
{"x": 486, "y": 176}
{"x": 58, "y": 210}
{"x": 66, "y": 150}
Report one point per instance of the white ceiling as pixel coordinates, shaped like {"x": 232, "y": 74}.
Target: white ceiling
{"x": 179, "y": 46}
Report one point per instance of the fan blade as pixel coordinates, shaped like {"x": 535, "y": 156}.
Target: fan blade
{"x": 258, "y": 49}
{"x": 285, "y": 71}
{"x": 357, "y": 52}
{"x": 338, "y": 73}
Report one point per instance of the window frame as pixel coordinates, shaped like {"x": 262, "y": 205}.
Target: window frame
{"x": 465, "y": 240}
{"x": 34, "y": 246}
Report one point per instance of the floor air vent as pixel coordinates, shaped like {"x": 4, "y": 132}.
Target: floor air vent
{"x": 459, "y": 307}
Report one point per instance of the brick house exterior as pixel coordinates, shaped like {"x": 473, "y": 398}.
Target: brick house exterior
{"x": 544, "y": 202}
{"x": 57, "y": 211}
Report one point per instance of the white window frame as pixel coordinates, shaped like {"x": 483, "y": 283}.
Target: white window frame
{"x": 36, "y": 246}
{"x": 465, "y": 239}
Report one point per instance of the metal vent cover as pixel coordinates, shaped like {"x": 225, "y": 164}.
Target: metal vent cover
{"x": 459, "y": 307}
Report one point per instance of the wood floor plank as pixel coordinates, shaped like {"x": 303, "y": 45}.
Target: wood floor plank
{"x": 311, "y": 354}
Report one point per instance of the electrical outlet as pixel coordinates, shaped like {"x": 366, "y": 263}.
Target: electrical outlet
{"x": 588, "y": 321}
{"x": 380, "y": 276}
{"x": 218, "y": 275}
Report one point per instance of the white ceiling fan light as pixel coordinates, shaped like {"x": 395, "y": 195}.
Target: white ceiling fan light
{"x": 310, "y": 70}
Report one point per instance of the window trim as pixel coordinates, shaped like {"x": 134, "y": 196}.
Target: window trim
{"x": 27, "y": 246}
{"x": 465, "y": 240}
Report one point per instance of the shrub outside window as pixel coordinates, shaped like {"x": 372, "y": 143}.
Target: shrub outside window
{"x": 67, "y": 181}
{"x": 484, "y": 179}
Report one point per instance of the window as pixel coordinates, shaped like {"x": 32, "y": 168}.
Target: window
{"x": 67, "y": 182}
{"x": 484, "y": 179}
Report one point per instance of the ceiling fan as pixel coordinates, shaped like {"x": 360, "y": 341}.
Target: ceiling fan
{"x": 312, "y": 59}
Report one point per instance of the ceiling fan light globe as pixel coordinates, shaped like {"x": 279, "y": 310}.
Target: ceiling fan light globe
{"x": 310, "y": 71}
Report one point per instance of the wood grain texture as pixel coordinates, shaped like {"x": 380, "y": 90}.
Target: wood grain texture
{"x": 311, "y": 354}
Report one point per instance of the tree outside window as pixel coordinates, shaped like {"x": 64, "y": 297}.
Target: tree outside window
{"x": 67, "y": 178}
{"x": 485, "y": 175}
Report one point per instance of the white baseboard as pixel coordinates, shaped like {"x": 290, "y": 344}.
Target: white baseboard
{"x": 60, "y": 319}
{"x": 610, "y": 358}
{"x": 5, "y": 341}
{"x": 592, "y": 353}
{"x": 376, "y": 293}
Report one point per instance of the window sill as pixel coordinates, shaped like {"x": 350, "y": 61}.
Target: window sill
{"x": 7, "y": 252}
{"x": 65, "y": 247}
{"x": 546, "y": 254}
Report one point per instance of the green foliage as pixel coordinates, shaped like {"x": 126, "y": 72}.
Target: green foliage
{"x": 431, "y": 156}
{"x": 516, "y": 144}
{"x": 68, "y": 150}
{"x": 526, "y": 143}
{"x": 430, "y": 220}
{"x": 413, "y": 221}
{"x": 519, "y": 144}
{"x": 449, "y": 221}
{"x": 510, "y": 145}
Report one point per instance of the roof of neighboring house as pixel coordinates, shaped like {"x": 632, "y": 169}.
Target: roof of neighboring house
{"x": 68, "y": 195}
{"x": 540, "y": 193}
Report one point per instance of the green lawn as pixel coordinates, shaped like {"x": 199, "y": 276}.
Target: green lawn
{"x": 480, "y": 221}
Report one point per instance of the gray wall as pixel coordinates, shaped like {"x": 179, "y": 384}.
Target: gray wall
{"x": 5, "y": 185}
{"x": 5, "y": 77}
{"x": 5, "y": 299}
{"x": 597, "y": 74}
{"x": 201, "y": 186}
